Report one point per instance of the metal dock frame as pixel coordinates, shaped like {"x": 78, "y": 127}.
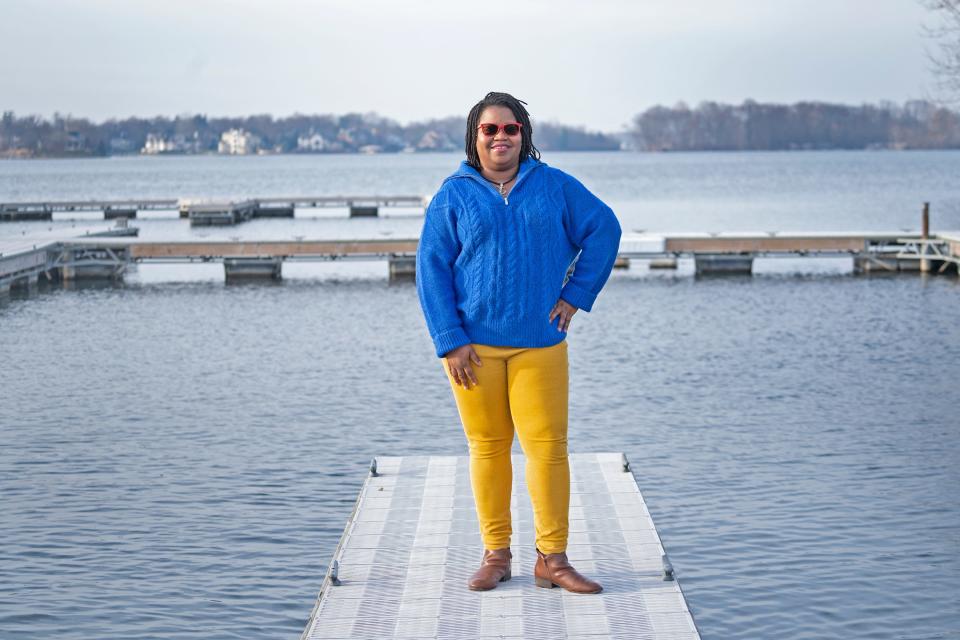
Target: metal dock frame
{"x": 400, "y": 567}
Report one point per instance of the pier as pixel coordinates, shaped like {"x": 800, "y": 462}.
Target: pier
{"x": 107, "y": 253}
{"x": 412, "y": 541}
{"x": 41, "y": 254}
{"x": 211, "y": 212}
{"x": 734, "y": 253}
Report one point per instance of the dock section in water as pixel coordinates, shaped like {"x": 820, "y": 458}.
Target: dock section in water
{"x": 712, "y": 253}
{"x": 23, "y": 260}
{"x": 38, "y": 254}
{"x": 210, "y": 212}
{"x": 412, "y": 542}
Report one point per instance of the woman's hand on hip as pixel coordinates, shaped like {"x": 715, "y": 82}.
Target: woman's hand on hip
{"x": 563, "y": 310}
{"x": 458, "y": 361}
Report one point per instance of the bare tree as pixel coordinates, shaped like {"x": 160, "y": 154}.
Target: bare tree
{"x": 946, "y": 57}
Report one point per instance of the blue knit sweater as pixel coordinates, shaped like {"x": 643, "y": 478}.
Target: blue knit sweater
{"x": 490, "y": 269}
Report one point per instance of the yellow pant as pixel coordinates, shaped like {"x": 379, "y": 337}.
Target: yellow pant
{"x": 524, "y": 389}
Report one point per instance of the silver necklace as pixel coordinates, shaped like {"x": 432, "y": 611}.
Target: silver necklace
{"x": 502, "y": 185}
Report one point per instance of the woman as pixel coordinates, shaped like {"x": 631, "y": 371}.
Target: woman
{"x": 498, "y": 239}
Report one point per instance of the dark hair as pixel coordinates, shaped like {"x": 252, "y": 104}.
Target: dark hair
{"x": 497, "y": 99}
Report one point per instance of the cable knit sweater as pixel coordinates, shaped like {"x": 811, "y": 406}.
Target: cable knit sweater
{"x": 490, "y": 268}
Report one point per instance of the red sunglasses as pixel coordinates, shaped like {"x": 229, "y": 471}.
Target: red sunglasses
{"x": 511, "y": 128}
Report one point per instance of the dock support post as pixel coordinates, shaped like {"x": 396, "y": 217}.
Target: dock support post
{"x": 111, "y": 213}
{"x": 913, "y": 265}
{"x": 402, "y": 268}
{"x": 75, "y": 272}
{"x": 14, "y": 214}
{"x": 252, "y": 268}
{"x": 273, "y": 212}
{"x": 663, "y": 263}
{"x": 723, "y": 264}
{"x": 357, "y": 211}
{"x": 864, "y": 263}
{"x": 925, "y": 235}
{"x": 220, "y": 213}
{"x": 92, "y": 264}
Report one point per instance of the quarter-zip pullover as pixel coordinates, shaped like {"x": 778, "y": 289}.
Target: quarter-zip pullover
{"x": 491, "y": 267}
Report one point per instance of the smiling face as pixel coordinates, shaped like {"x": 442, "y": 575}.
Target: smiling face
{"x": 498, "y": 152}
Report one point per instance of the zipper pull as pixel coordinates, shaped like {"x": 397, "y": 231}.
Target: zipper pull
{"x": 505, "y": 201}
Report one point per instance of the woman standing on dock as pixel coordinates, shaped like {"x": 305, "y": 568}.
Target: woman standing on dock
{"x": 497, "y": 241}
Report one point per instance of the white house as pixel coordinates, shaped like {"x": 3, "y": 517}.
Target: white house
{"x": 238, "y": 142}
{"x": 311, "y": 142}
{"x": 156, "y": 144}
{"x": 435, "y": 141}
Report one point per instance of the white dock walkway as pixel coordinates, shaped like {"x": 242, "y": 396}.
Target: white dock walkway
{"x": 402, "y": 565}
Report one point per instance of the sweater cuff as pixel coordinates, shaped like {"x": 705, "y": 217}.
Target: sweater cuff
{"x": 449, "y": 340}
{"x": 578, "y": 296}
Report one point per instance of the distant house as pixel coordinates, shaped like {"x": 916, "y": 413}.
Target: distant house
{"x": 311, "y": 142}
{"x": 435, "y": 141}
{"x": 157, "y": 143}
{"x": 238, "y": 142}
{"x": 76, "y": 141}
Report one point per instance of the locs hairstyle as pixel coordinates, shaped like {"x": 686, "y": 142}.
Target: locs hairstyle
{"x": 497, "y": 99}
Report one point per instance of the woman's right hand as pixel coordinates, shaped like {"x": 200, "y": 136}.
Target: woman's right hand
{"x": 458, "y": 363}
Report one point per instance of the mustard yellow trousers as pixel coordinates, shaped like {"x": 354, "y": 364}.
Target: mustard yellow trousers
{"x": 523, "y": 390}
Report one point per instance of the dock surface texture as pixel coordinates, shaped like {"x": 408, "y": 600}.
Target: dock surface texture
{"x": 412, "y": 542}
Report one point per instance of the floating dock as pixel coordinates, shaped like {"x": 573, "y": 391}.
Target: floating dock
{"x": 872, "y": 252}
{"x": 209, "y": 212}
{"x": 401, "y": 568}
{"x": 23, "y": 260}
{"x": 40, "y": 253}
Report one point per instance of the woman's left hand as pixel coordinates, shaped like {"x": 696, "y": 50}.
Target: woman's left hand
{"x": 563, "y": 310}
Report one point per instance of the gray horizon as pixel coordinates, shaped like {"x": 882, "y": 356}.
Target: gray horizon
{"x": 595, "y": 66}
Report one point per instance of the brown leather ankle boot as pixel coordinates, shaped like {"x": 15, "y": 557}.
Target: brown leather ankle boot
{"x": 494, "y": 569}
{"x": 554, "y": 570}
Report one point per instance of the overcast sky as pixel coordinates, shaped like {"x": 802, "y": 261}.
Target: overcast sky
{"x": 595, "y": 63}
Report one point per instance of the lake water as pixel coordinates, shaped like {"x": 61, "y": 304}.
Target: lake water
{"x": 178, "y": 457}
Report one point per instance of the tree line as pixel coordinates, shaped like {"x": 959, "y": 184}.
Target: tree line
{"x": 63, "y": 135}
{"x": 712, "y": 126}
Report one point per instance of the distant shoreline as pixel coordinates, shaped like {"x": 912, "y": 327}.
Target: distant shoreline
{"x": 212, "y": 154}
{"x": 710, "y": 126}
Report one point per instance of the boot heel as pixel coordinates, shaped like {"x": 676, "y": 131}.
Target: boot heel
{"x": 543, "y": 582}
{"x": 506, "y": 576}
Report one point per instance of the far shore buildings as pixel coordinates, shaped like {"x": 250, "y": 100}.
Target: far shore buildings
{"x": 238, "y": 142}
{"x": 435, "y": 141}
{"x": 312, "y": 142}
{"x": 158, "y": 144}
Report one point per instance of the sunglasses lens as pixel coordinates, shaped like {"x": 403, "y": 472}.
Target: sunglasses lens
{"x": 489, "y": 129}
{"x": 511, "y": 129}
